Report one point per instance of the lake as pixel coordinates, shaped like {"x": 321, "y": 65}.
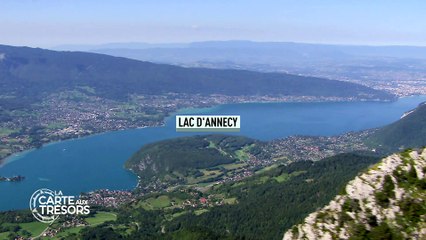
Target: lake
{"x": 85, "y": 164}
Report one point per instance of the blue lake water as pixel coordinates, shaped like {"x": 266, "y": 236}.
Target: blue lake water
{"x": 95, "y": 162}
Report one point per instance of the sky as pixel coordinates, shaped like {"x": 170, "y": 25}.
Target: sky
{"x": 48, "y": 23}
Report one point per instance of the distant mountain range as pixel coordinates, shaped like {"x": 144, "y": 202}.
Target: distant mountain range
{"x": 340, "y": 61}
{"x": 229, "y": 50}
{"x": 31, "y": 73}
{"x": 396, "y": 68}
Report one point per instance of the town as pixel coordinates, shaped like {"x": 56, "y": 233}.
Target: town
{"x": 314, "y": 148}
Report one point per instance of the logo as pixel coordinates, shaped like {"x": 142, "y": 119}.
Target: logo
{"x": 47, "y": 205}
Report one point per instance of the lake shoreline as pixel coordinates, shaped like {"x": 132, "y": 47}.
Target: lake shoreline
{"x": 18, "y": 155}
{"x": 96, "y": 161}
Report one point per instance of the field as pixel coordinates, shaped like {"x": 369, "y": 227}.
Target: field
{"x": 66, "y": 232}
{"x": 231, "y": 201}
{"x": 3, "y": 235}
{"x": 34, "y": 228}
{"x": 267, "y": 168}
{"x": 6, "y": 131}
{"x": 233, "y": 166}
{"x": 242, "y": 154}
{"x": 200, "y": 211}
{"x": 100, "y": 218}
{"x": 160, "y": 202}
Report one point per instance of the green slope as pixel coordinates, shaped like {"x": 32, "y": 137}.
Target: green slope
{"x": 276, "y": 199}
{"x": 408, "y": 132}
{"x": 180, "y": 158}
{"x": 259, "y": 207}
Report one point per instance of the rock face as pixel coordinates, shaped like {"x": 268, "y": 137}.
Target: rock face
{"x": 386, "y": 202}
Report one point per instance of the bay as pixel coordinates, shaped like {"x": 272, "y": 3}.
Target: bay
{"x": 95, "y": 162}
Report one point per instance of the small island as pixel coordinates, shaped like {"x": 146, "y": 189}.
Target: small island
{"x": 17, "y": 178}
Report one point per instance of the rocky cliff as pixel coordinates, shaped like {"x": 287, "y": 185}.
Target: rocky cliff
{"x": 388, "y": 201}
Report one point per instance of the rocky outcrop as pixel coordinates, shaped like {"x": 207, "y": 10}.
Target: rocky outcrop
{"x": 386, "y": 202}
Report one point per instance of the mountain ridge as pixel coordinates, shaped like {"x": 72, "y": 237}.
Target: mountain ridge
{"x": 409, "y": 131}
{"x": 356, "y": 50}
{"x": 386, "y": 201}
{"x": 117, "y": 77}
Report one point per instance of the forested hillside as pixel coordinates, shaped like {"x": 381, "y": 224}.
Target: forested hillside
{"x": 191, "y": 159}
{"x": 28, "y": 74}
{"x": 408, "y": 132}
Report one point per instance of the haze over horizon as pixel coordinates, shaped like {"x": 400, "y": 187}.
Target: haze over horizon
{"x": 47, "y": 23}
